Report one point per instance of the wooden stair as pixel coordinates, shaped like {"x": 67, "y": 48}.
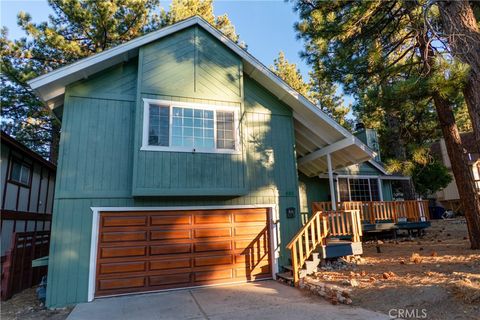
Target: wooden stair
{"x": 313, "y": 242}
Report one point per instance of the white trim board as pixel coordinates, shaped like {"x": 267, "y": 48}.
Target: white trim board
{"x": 273, "y": 222}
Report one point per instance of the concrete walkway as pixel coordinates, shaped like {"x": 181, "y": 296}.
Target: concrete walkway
{"x": 259, "y": 300}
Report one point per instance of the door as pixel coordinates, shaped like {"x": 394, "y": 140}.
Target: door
{"x": 155, "y": 250}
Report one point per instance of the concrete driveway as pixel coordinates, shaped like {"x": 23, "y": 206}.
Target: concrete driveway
{"x": 259, "y": 300}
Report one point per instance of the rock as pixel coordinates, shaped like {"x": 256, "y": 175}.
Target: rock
{"x": 379, "y": 242}
{"x": 416, "y": 258}
{"x": 372, "y": 279}
{"x": 439, "y": 240}
{"x": 433, "y": 254}
{"x": 363, "y": 273}
{"x": 401, "y": 261}
{"x": 385, "y": 275}
{"x": 354, "y": 283}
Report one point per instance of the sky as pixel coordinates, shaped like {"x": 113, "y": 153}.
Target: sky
{"x": 267, "y": 26}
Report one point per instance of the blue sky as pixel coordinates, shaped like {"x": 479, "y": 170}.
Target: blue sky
{"x": 266, "y": 26}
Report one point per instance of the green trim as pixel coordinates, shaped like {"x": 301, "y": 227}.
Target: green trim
{"x": 189, "y": 192}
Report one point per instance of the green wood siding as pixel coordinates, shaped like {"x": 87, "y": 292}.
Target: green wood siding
{"x": 363, "y": 168}
{"x": 191, "y": 63}
{"x": 99, "y": 150}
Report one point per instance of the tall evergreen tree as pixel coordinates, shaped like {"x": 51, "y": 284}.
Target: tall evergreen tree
{"x": 322, "y": 94}
{"x": 75, "y": 30}
{"x": 382, "y": 49}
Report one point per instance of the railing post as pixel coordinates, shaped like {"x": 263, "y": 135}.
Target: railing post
{"x": 295, "y": 264}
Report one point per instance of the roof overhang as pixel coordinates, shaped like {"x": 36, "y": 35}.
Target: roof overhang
{"x": 314, "y": 130}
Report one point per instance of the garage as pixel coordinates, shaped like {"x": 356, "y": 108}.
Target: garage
{"x": 144, "y": 251}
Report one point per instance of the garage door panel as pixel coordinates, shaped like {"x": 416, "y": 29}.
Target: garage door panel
{"x": 170, "y": 264}
{"x": 213, "y": 246}
{"x": 122, "y": 267}
{"x": 212, "y": 275}
{"x": 162, "y": 250}
{"x": 170, "y": 234}
{"x": 212, "y": 219}
{"x": 160, "y": 220}
{"x": 124, "y": 236}
{"x": 109, "y": 284}
{"x": 113, "y": 252}
{"x": 170, "y": 249}
{"x": 213, "y": 260}
{"x": 183, "y": 278}
{"x": 213, "y": 233}
{"x": 124, "y": 221}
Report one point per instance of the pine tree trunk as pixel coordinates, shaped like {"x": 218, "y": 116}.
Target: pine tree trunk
{"x": 463, "y": 174}
{"x": 460, "y": 25}
{"x": 461, "y": 170}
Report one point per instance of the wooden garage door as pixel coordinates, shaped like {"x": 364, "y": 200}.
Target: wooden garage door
{"x": 154, "y": 250}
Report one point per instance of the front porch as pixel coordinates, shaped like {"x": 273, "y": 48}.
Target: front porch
{"x": 336, "y": 229}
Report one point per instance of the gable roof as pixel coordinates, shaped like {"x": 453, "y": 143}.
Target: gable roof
{"x": 20, "y": 147}
{"x": 316, "y": 133}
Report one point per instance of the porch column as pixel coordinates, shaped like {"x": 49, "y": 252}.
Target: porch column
{"x": 330, "y": 181}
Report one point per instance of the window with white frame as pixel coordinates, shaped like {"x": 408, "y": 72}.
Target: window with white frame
{"x": 358, "y": 189}
{"x": 175, "y": 126}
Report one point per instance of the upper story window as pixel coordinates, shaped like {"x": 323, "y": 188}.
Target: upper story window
{"x": 189, "y": 127}
{"x": 20, "y": 172}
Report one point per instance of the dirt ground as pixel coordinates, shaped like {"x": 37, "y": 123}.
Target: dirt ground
{"x": 437, "y": 272}
{"x": 25, "y": 306}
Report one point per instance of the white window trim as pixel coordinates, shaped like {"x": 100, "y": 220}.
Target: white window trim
{"x": 191, "y": 105}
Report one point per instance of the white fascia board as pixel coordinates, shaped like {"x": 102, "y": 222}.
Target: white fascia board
{"x": 378, "y": 166}
{"x": 389, "y": 177}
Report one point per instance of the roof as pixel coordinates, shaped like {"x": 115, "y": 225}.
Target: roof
{"x": 314, "y": 130}
{"x": 8, "y": 140}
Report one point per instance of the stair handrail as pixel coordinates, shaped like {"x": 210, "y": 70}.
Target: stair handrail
{"x": 314, "y": 230}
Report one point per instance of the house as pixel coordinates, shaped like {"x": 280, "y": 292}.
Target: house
{"x": 28, "y": 184}
{"x": 179, "y": 164}
{"x": 448, "y": 196}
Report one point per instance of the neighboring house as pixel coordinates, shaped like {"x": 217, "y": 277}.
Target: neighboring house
{"x": 28, "y": 184}
{"x": 179, "y": 165}
{"x": 449, "y": 196}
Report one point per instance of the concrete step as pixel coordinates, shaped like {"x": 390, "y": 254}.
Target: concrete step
{"x": 285, "y": 275}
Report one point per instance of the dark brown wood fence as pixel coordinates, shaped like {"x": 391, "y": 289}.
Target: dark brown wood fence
{"x": 17, "y": 271}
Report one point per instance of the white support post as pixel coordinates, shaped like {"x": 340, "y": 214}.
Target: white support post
{"x": 330, "y": 180}
{"x": 380, "y": 188}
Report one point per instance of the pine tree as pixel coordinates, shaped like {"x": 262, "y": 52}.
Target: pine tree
{"x": 381, "y": 51}
{"x": 75, "y": 30}
{"x": 321, "y": 93}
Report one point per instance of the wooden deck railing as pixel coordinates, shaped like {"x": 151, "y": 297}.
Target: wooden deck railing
{"x": 344, "y": 223}
{"x": 313, "y": 233}
{"x": 321, "y": 225}
{"x": 381, "y": 211}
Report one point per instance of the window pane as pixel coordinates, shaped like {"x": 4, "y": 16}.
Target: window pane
{"x": 20, "y": 173}
{"x": 343, "y": 189}
{"x": 359, "y": 190}
{"x": 374, "y": 190}
{"x": 158, "y": 130}
{"x": 225, "y": 132}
